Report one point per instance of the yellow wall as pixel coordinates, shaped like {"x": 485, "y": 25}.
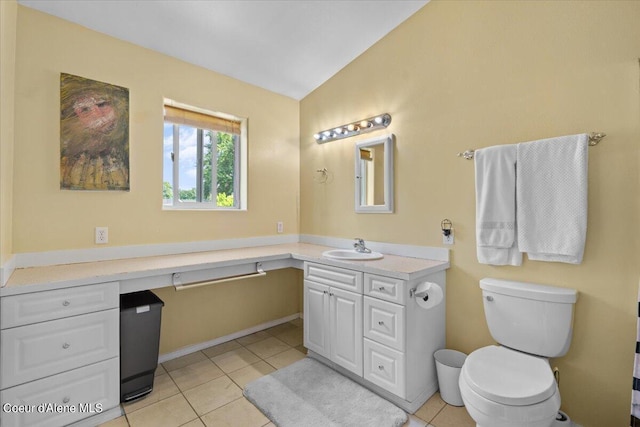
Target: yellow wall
{"x": 461, "y": 75}
{"x": 230, "y": 307}
{"x": 47, "y": 218}
{"x": 8, "y": 15}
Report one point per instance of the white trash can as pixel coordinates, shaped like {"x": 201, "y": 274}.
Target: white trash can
{"x": 448, "y": 366}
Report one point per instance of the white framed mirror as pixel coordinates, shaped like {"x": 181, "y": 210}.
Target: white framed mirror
{"x": 374, "y": 175}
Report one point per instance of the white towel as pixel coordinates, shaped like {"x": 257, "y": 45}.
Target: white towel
{"x": 551, "y": 193}
{"x": 496, "y": 206}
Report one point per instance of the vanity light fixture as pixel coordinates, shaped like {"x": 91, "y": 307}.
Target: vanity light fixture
{"x": 352, "y": 129}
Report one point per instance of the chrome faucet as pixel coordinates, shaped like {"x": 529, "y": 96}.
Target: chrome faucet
{"x": 360, "y": 246}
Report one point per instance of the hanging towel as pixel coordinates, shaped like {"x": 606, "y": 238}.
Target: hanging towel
{"x": 551, "y": 195}
{"x": 496, "y": 206}
{"x": 635, "y": 389}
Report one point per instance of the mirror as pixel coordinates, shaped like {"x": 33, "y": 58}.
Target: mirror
{"x": 374, "y": 175}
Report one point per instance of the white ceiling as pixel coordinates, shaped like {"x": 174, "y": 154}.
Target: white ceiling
{"x": 286, "y": 46}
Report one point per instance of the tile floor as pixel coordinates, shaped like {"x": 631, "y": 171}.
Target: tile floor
{"x": 205, "y": 388}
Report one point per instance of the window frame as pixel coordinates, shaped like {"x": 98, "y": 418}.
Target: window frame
{"x": 240, "y": 163}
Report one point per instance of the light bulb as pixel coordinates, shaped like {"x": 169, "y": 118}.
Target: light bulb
{"x": 351, "y": 127}
{"x": 326, "y": 133}
{"x": 365, "y": 124}
{"x": 316, "y": 135}
{"x": 378, "y": 120}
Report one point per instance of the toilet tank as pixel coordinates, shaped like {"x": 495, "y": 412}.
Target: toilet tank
{"x": 532, "y": 318}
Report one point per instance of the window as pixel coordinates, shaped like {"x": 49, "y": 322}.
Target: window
{"x": 204, "y": 159}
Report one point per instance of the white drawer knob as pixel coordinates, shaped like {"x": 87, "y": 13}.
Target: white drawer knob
{"x": 66, "y": 345}
{"x": 381, "y": 323}
{"x": 66, "y": 400}
{"x": 66, "y": 303}
{"x": 381, "y": 367}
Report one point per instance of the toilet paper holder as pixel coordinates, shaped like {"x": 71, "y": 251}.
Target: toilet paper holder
{"x": 424, "y": 294}
{"x": 427, "y": 295}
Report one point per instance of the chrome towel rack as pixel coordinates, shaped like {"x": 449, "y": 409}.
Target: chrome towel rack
{"x": 179, "y": 286}
{"x": 594, "y": 139}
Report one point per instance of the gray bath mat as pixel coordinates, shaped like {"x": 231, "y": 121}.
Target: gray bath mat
{"x": 310, "y": 394}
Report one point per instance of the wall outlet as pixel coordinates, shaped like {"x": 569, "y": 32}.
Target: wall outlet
{"x": 280, "y": 227}
{"x": 102, "y": 235}
{"x": 448, "y": 240}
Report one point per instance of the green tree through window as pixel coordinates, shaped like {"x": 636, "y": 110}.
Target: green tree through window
{"x": 204, "y": 159}
{"x": 225, "y": 161}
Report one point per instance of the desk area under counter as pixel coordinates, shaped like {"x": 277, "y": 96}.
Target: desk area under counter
{"x": 59, "y": 296}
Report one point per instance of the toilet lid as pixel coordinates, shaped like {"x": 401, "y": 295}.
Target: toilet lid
{"x": 507, "y": 376}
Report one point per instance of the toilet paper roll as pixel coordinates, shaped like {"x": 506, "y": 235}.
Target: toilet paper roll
{"x": 428, "y": 295}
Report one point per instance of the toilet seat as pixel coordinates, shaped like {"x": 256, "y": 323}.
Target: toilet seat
{"x": 509, "y": 377}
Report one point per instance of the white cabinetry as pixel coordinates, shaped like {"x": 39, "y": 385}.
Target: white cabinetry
{"x": 383, "y": 336}
{"x": 60, "y": 354}
{"x": 333, "y": 326}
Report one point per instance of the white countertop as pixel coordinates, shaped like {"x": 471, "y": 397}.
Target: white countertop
{"x": 36, "y": 279}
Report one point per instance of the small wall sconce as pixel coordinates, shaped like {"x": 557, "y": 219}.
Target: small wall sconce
{"x": 352, "y": 129}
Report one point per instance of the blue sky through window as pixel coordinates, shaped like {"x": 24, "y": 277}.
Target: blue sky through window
{"x": 187, "y": 155}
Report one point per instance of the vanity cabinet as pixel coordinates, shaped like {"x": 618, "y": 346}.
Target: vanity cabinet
{"x": 333, "y": 326}
{"x": 371, "y": 326}
{"x": 60, "y": 354}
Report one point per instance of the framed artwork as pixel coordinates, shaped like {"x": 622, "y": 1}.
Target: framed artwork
{"x": 94, "y": 135}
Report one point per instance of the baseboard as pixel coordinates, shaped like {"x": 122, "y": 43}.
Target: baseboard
{"x": 6, "y": 270}
{"x": 74, "y": 256}
{"x": 220, "y": 340}
{"x": 413, "y": 251}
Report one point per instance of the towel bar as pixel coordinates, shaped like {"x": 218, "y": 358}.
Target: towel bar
{"x": 594, "y": 139}
{"x": 179, "y": 286}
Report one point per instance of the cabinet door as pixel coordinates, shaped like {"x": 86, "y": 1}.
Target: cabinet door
{"x": 42, "y": 349}
{"x": 316, "y": 318}
{"x": 385, "y": 367}
{"x": 62, "y": 399}
{"x": 37, "y": 307}
{"x": 384, "y": 322}
{"x": 386, "y": 288}
{"x": 349, "y": 280}
{"x": 346, "y": 329}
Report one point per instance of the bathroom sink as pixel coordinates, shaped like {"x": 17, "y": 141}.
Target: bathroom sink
{"x": 352, "y": 255}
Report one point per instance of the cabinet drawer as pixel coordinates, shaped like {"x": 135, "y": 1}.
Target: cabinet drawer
{"x": 35, "y": 351}
{"x": 384, "y": 322}
{"x": 334, "y": 276}
{"x": 49, "y": 305}
{"x": 384, "y": 367}
{"x": 86, "y": 391}
{"x": 385, "y": 288}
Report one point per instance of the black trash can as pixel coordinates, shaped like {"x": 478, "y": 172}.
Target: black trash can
{"x": 140, "y": 314}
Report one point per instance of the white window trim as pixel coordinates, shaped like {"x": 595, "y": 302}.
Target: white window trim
{"x": 241, "y": 182}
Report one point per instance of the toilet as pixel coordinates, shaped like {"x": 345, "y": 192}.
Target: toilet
{"x": 512, "y": 384}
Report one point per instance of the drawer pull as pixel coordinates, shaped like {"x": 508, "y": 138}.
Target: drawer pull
{"x": 381, "y": 288}
{"x": 380, "y": 367}
{"x": 66, "y": 303}
{"x": 66, "y": 345}
{"x": 381, "y": 323}
{"x": 66, "y": 400}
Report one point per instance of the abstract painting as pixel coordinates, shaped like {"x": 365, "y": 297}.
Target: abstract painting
{"x": 94, "y": 135}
